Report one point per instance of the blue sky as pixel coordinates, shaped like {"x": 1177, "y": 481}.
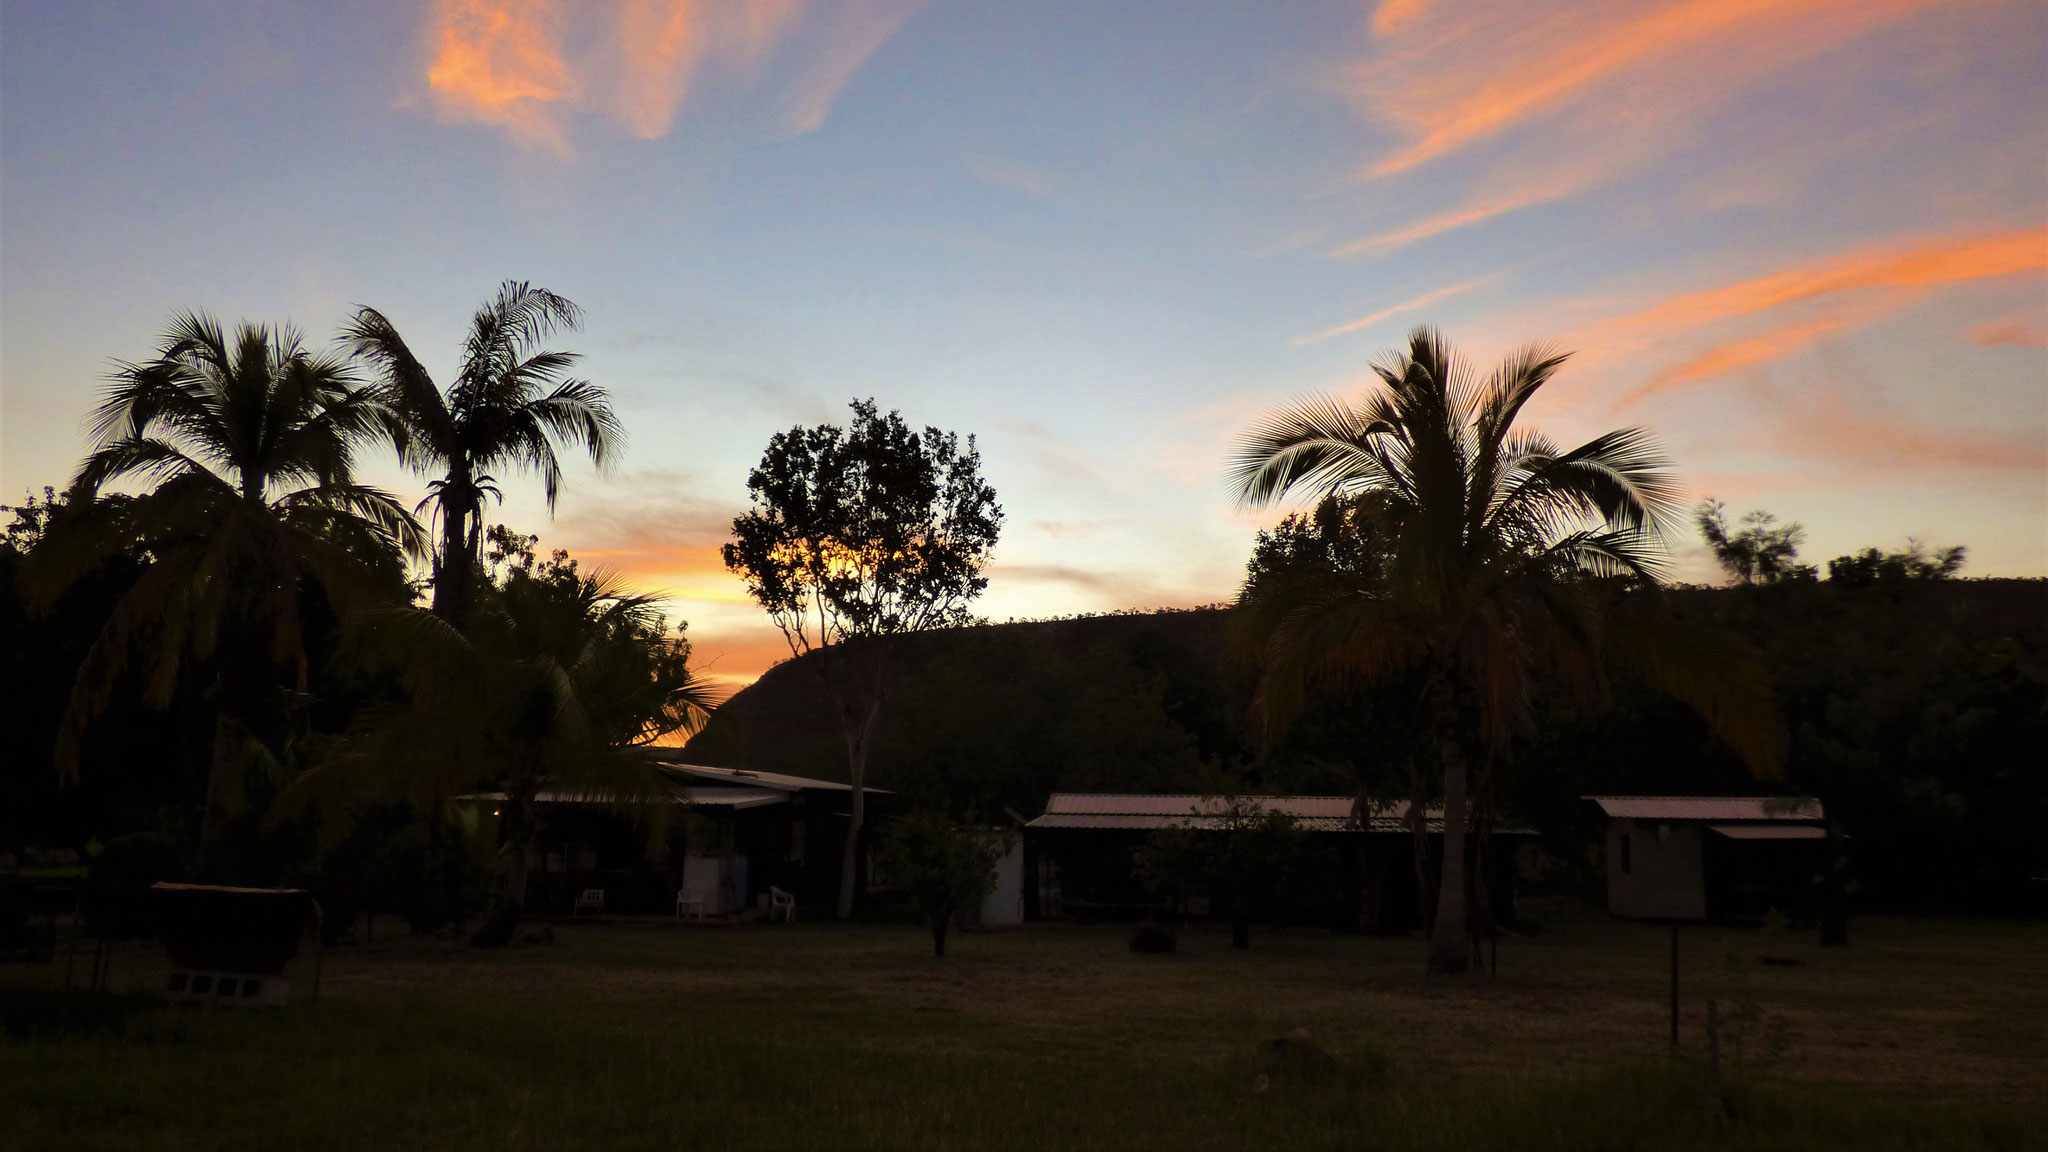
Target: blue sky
{"x": 1804, "y": 241}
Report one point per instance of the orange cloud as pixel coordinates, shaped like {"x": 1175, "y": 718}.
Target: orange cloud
{"x": 1391, "y": 14}
{"x": 1494, "y": 67}
{"x": 1939, "y": 262}
{"x": 499, "y": 61}
{"x": 502, "y": 61}
{"x": 1422, "y": 301}
{"x": 1436, "y": 225}
{"x": 1775, "y": 344}
{"x": 662, "y": 41}
{"x": 2022, "y": 330}
{"x": 862, "y": 27}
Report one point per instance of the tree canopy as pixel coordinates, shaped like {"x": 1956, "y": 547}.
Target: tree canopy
{"x": 857, "y": 535}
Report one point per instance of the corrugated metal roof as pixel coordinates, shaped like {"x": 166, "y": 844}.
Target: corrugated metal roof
{"x": 1770, "y": 831}
{"x": 1145, "y": 822}
{"x": 1144, "y": 811}
{"x": 749, "y": 778}
{"x": 703, "y": 797}
{"x": 1178, "y": 805}
{"x": 1709, "y": 808}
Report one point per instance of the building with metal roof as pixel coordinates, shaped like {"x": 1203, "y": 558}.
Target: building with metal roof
{"x": 1710, "y": 857}
{"x": 715, "y": 840}
{"x": 1079, "y": 859}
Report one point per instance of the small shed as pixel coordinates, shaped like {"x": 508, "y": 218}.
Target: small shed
{"x": 244, "y": 947}
{"x": 1710, "y": 857}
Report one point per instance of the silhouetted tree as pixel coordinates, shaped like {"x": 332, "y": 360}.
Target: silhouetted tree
{"x": 857, "y": 535}
{"x": 1916, "y": 562}
{"x": 512, "y": 405}
{"x": 1762, "y": 552}
{"x": 557, "y": 677}
{"x": 1511, "y": 561}
{"x": 244, "y": 446}
{"x": 944, "y": 865}
{"x": 1236, "y": 850}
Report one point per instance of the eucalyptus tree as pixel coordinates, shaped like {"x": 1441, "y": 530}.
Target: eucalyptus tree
{"x": 1761, "y": 551}
{"x": 556, "y": 679}
{"x": 857, "y": 535}
{"x": 511, "y": 406}
{"x": 1508, "y": 560}
{"x": 238, "y": 452}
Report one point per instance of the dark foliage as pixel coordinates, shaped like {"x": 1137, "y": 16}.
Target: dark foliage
{"x": 1916, "y": 712}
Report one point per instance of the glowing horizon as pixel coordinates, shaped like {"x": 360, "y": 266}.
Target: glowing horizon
{"x": 1805, "y": 242}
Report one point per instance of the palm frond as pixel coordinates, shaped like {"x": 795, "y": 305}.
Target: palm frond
{"x": 1318, "y": 442}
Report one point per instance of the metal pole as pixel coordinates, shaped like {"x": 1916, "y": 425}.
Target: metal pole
{"x": 1714, "y": 1039}
{"x": 1674, "y": 988}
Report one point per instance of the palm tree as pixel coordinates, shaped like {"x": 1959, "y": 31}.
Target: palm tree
{"x": 244, "y": 448}
{"x": 557, "y": 678}
{"x": 1501, "y": 561}
{"x": 511, "y": 405}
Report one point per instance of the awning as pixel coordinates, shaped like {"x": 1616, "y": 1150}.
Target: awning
{"x": 1769, "y": 831}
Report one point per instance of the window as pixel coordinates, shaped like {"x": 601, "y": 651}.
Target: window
{"x": 1627, "y": 860}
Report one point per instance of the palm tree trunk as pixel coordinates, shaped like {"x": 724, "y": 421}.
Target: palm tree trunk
{"x": 1418, "y": 826}
{"x": 1449, "y": 951}
{"x": 451, "y": 566}
{"x": 222, "y": 762}
{"x": 520, "y": 833}
{"x": 461, "y": 539}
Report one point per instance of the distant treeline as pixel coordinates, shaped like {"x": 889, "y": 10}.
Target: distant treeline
{"x": 1917, "y": 711}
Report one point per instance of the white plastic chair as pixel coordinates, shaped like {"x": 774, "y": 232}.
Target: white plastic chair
{"x": 783, "y": 903}
{"x": 690, "y": 904}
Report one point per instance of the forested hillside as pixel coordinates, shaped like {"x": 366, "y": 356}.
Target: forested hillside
{"x": 1916, "y": 710}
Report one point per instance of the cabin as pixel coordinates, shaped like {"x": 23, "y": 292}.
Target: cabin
{"x": 1078, "y": 858}
{"x": 1711, "y": 857}
{"x": 725, "y": 837}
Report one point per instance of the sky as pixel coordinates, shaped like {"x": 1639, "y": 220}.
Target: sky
{"x": 1805, "y": 242}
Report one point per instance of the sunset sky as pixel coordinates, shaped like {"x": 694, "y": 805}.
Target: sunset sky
{"x": 1805, "y": 242}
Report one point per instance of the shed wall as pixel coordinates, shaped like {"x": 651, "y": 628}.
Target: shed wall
{"x": 1663, "y": 879}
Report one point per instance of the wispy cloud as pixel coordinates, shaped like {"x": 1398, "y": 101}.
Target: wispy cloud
{"x": 859, "y": 29}
{"x": 1389, "y": 15}
{"x": 1028, "y": 180}
{"x": 1422, "y": 301}
{"x": 1110, "y": 589}
{"x": 1890, "y": 265}
{"x": 508, "y": 62}
{"x": 1833, "y": 424}
{"x": 1491, "y": 68}
{"x": 2022, "y": 330}
{"x": 1472, "y": 213}
{"x": 1886, "y": 276}
{"x": 661, "y": 42}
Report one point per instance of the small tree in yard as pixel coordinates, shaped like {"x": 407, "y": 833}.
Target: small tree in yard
{"x": 859, "y": 534}
{"x": 945, "y": 866}
{"x": 1239, "y": 854}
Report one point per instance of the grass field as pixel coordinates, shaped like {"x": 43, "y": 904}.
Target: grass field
{"x": 1920, "y": 1035}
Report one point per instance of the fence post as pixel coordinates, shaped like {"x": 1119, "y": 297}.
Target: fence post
{"x": 1714, "y": 1039}
{"x": 1674, "y": 988}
